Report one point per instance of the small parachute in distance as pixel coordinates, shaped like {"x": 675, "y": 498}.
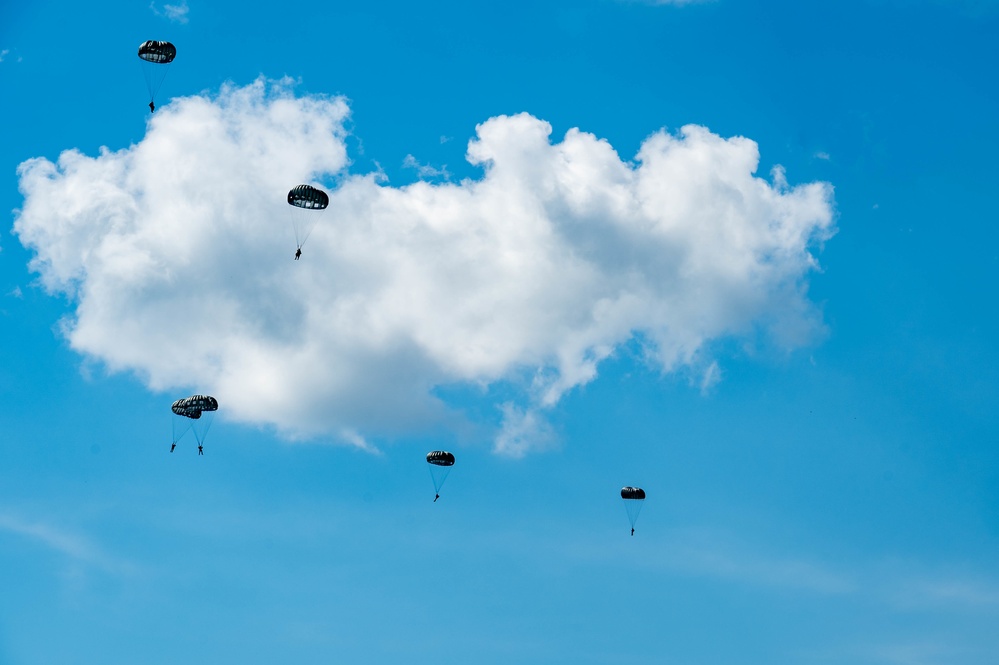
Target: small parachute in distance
{"x": 308, "y": 198}
{"x": 440, "y": 463}
{"x": 189, "y": 411}
{"x": 634, "y": 498}
{"x": 156, "y": 58}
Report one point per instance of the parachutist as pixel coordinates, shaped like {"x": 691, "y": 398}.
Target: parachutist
{"x": 440, "y": 462}
{"x": 201, "y": 451}
{"x": 633, "y": 497}
{"x": 172, "y": 446}
{"x": 152, "y": 107}
{"x": 298, "y": 253}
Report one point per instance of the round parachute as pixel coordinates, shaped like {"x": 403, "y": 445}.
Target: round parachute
{"x": 181, "y": 409}
{"x": 307, "y": 196}
{"x": 202, "y": 403}
{"x": 161, "y": 53}
{"x": 439, "y": 462}
{"x": 636, "y": 493}
{"x": 440, "y": 458}
{"x": 634, "y": 498}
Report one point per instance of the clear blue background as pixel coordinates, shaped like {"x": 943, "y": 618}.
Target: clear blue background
{"x": 836, "y": 505}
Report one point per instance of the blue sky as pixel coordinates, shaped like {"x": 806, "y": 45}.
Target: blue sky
{"x": 549, "y": 251}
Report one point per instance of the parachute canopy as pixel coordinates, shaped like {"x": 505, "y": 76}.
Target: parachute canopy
{"x": 440, "y": 458}
{"x": 307, "y": 196}
{"x": 191, "y": 407}
{"x": 157, "y": 52}
{"x": 635, "y": 493}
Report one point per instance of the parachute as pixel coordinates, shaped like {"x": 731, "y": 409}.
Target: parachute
{"x": 156, "y": 58}
{"x": 311, "y": 200}
{"x": 440, "y": 463}
{"x": 189, "y": 412}
{"x": 634, "y": 498}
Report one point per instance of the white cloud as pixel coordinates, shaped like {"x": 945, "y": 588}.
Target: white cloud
{"x": 176, "y": 13}
{"x": 4, "y": 53}
{"x": 75, "y": 547}
{"x": 177, "y": 253}
{"x": 523, "y": 430}
{"x": 426, "y": 170}
{"x": 710, "y": 377}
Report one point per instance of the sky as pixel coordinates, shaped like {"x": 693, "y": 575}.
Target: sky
{"x": 739, "y": 254}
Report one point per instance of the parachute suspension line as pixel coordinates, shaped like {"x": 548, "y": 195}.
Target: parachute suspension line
{"x": 438, "y": 478}
{"x": 310, "y": 228}
{"x": 183, "y": 430}
{"x": 154, "y": 75}
{"x": 208, "y": 425}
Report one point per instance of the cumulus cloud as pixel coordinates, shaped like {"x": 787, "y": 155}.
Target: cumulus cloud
{"x": 176, "y": 13}
{"x": 426, "y": 170}
{"x": 177, "y": 255}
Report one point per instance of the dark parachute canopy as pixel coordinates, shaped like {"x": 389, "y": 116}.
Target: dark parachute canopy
{"x": 157, "y": 52}
{"x": 189, "y": 411}
{"x": 191, "y": 407}
{"x": 180, "y": 408}
{"x": 440, "y": 458}
{"x": 635, "y": 493}
{"x": 634, "y": 498}
{"x": 156, "y": 58}
{"x": 439, "y": 462}
{"x": 309, "y": 198}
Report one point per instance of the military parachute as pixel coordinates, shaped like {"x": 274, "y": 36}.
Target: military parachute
{"x": 156, "y": 58}
{"x": 633, "y": 497}
{"x": 440, "y": 463}
{"x": 194, "y": 413}
{"x": 311, "y": 201}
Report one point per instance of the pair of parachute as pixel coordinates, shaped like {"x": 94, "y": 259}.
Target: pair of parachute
{"x": 155, "y": 57}
{"x": 194, "y": 413}
{"x": 440, "y": 463}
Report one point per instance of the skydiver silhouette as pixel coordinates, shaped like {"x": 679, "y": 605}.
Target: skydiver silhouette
{"x": 437, "y": 497}
{"x": 633, "y": 532}
{"x": 152, "y": 107}
{"x": 201, "y": 451}
{"x": 172, "y": 446}
{"x": 298, "y": 253}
